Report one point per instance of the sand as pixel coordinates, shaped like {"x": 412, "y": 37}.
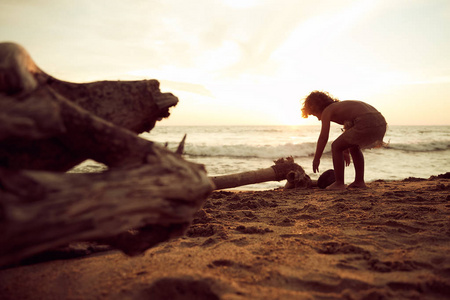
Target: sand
{"x": 391, "y": 241}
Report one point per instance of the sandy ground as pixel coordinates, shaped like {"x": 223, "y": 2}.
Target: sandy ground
{"x": 391, "y": 241}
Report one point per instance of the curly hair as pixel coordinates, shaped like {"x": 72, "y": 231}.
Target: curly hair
{"x": 316, "y": 102}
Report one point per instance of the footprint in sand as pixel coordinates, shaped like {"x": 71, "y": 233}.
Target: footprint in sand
{"x": 179, "y": 289}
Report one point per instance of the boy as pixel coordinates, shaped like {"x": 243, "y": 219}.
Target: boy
{"x": 364, "y": 127}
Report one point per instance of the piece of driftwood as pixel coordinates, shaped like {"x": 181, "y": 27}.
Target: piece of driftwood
{"x": 69, "y": 136}
{"x": 43, "y": 210}
{"x": 283, "y": 169}
{"x": 34, "y": 129}
{"x": 47, "y": 126}
{"x": 180, "y": 149}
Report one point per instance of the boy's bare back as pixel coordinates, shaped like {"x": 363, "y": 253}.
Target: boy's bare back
{"x": 347, "y": 111}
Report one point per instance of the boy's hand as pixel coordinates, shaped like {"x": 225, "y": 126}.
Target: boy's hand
{"x": 316, "y": 163}
{"x": 347, "y": 158}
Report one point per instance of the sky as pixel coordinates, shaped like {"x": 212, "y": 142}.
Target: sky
{"x": 249, "y": 62}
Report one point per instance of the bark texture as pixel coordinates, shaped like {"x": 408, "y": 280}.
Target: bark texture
{"x": 44, "y": 120}
{"x": 47, "y": 126}
{"x": 42, "y": 210}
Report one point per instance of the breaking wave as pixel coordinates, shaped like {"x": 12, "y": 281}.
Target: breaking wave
{"x": 251, "y": 151}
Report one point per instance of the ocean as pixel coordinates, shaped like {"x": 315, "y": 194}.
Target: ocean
{"x": 412, "y": 151}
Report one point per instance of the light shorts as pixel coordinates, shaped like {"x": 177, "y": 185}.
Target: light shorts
{"x": 366, "y": 131}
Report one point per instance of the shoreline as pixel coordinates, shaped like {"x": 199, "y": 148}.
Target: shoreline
{"x": 432, "y": 177}
{"x": 387, "y": 242}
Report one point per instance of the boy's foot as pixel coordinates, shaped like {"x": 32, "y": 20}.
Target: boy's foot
{"x": 336, "y": 186}
{"x": 358, "y": 185}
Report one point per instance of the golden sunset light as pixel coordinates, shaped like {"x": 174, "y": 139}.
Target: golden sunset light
{"x": 224, "y": 149}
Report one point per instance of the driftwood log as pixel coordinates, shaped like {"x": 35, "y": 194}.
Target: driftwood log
{"x": 283, "y": 169}
{"x": 42, "y": 210}
{"x": 35, "y": 130}
{"x": 47, "y": 126}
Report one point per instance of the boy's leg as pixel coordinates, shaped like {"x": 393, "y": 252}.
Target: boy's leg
{"x": 337, "y": 148}
{"x": 358, "y": 162}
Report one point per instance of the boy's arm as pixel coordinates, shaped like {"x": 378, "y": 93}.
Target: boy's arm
{"x": 322, "y": 141}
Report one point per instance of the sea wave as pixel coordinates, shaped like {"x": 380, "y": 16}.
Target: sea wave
{"x": 251, "y": 151}
{"x": 295, "y": 150}
{"x": 420, "y": 146}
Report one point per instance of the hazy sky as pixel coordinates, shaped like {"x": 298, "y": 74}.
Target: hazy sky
{"x": 238, "y": 62}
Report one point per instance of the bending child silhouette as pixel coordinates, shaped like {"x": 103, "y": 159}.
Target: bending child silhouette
{"x": 364, "y": 127}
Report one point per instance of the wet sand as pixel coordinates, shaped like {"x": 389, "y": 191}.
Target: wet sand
{"x": 391, "y": 241}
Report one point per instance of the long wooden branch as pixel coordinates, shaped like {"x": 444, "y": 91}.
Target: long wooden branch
{"x": 283, "y": 169}
{"x": 244, "y": 178}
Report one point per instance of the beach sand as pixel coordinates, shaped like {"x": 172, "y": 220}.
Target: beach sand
{"x": 391, "y": 241}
